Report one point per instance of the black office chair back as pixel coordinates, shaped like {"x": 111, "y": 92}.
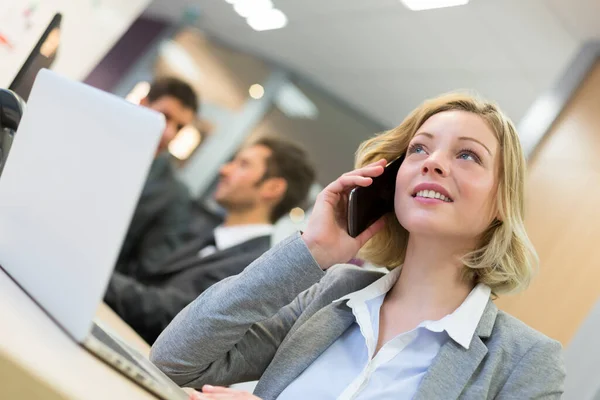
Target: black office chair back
{"x": 11, "y": 111}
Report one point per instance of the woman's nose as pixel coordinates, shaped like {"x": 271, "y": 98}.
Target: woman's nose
{"x": 434, "y": 165}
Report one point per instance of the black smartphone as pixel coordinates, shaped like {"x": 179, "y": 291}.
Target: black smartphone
{"x": 367, "y": 204}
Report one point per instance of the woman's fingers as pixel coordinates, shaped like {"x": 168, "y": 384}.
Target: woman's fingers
{"x": 358, "y": 177}
{"x": 345, "y": 182}
{"x": 217, "y": 389}
{"x": 371, "y": 170}
{"x": 381, "y": 162}
{"x": 222, "y": 393}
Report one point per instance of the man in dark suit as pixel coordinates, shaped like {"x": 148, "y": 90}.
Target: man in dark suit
{"x": 265, "y": 180}
{"x": 162, "y": 216}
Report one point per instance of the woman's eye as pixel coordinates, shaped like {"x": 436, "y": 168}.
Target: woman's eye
{"x": 468, "y": 155}
{"x": 416, "y": 148}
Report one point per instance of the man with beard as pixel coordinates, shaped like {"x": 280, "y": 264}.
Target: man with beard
{"x": 264, "y": 181}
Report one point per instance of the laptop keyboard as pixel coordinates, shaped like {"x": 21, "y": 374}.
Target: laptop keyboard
{"x": 106, "y": 339}
{"x": 140, "y": 361}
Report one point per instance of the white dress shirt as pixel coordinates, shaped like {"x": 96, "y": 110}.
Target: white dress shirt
{"x": 229, "y": 236}
{"x": 347, "y": 369}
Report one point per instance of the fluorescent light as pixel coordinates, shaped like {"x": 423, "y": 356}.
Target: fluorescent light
{"x": 179, "y": 60}
{"x": 420, "y": 5}
{"x": 293, "y": 103}
{"x": 256, "y": 91}
{"x": 139, "y": 91}
{"x": 50, "y": 45}
{"x": 259, "y": 14}
{"x": 297, "y": 215}
{"x": 247, "y": 8}
{"x": 185, "y": 142}
{"x": 267, "y": 20}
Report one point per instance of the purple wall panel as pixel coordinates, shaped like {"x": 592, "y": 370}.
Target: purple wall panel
{"x": 132, "y": 45}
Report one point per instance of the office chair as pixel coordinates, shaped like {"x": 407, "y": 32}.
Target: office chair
{"x": 11, "y": 111}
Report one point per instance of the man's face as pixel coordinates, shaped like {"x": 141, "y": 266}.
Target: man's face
{"x": 240, "y": 184}
{"x": 176, "y": 115}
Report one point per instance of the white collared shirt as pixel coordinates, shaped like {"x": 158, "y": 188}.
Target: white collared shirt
{"x": 229, "y": 236}
{"x": 347, "y": 369}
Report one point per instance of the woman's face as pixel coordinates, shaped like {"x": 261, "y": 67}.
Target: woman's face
{"x": 447, "y": 184}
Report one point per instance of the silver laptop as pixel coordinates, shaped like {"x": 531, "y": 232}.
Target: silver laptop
{"x": 67, "y": 193}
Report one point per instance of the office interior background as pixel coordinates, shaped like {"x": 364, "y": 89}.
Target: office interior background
{"x": 330, "y": 73}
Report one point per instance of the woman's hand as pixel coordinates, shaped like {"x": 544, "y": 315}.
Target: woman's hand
{"x": 326, "y": 233}
{"x": 222, "y": 393}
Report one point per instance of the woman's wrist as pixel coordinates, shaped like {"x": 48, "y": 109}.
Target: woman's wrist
{"x": 320, "y": 256}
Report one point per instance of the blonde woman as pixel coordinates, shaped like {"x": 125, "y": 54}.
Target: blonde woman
{"x": 426, "y": 330}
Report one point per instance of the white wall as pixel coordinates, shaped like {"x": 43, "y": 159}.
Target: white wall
{"x": 89, "y": 30}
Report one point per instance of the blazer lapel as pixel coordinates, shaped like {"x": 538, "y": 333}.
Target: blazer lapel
{"x": 188, "y": 257}
{"x": 260, "y": 244}
{"x": 451, "y": 370}
{"x": 324, "y": 328}
{"x": 188, "y": 251}
{"x": 454, "y": 365}
{"x": 191, "y": 247}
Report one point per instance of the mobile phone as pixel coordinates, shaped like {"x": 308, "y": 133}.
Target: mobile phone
{"x": 367, "y": 204}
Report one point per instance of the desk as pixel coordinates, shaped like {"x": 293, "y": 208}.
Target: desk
{"x": 107, "y": 316}
{"x": 38, "y": 360}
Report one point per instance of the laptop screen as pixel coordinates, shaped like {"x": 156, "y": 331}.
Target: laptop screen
{"x": 68, "y": 191}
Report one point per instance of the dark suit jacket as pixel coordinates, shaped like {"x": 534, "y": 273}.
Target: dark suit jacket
{"x": 148, "y": 305}
{"x": 160, "y": 222}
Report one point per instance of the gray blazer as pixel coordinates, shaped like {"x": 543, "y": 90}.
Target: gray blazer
{"x": 274, "y": 319}
{"x": 148, "y": 305}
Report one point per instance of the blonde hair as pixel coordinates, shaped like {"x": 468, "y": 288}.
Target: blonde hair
{"x": 505, "y": 258}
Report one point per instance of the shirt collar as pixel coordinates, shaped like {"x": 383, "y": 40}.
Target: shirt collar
{"x": 375, "y": 289}
{"x": 460, "y": 325}
{"x": 230, "y": 236}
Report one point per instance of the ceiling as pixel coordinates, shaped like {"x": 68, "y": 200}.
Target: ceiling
{"x": 384, "y": 59}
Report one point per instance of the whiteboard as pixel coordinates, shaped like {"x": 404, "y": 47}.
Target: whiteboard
{"x": 89, "y": 30}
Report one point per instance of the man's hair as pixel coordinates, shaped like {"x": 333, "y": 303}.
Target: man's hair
{"x": 173, "y": 87}
{"x": 290, "y": 161}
